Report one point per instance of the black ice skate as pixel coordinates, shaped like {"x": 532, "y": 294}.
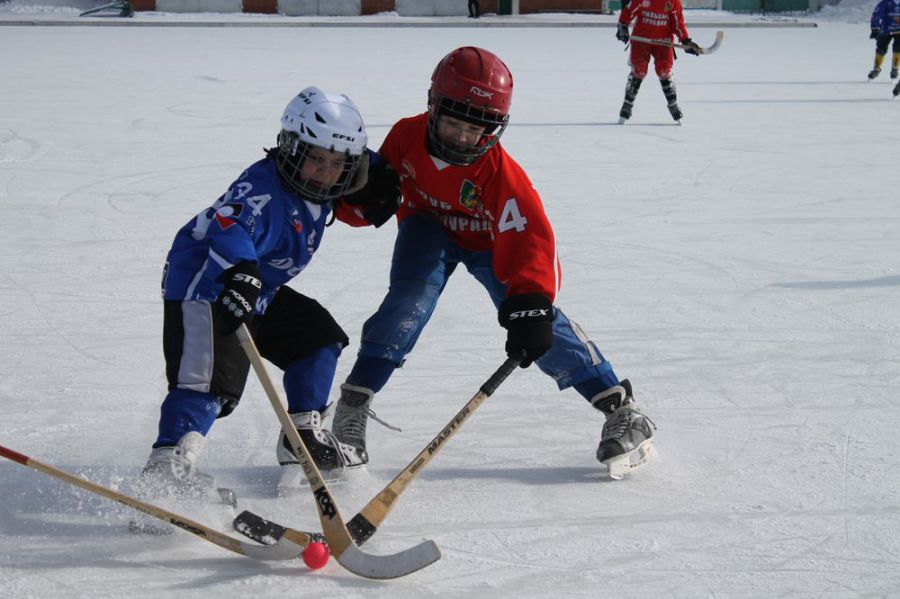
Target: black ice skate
{"x": 627, "y": 439}
{"x": 625, "y": 112}
{"x": 668, "y": 87}
{"x": 897, "y": 90}
{"x": 330, "y": 455}
{"x": 631, "y": 90}
{"x": 675, "y": 112}
{"x": 894, "y": 73}
{"x": 874, "y": 73}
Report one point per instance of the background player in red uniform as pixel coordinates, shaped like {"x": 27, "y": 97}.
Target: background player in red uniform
{"x": 466, "y": 202}
{"x": 657, "y": 20}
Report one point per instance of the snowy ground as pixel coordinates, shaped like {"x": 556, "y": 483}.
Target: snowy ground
{"x": 741, "y": 270}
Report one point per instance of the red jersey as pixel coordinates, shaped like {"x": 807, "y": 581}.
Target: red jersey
{"x": 656, "y": 19}
{"x": 487, "y": 206}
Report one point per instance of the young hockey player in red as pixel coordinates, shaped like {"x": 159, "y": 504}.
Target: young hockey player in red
{"x": 658, "y": 20}
{"x": 467, "y": 203}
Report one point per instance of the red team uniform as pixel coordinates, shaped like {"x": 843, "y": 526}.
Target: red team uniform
{"x": 657, "y": 20}
{"x": 489, "y": 206}
{"x": 466, "y": 202}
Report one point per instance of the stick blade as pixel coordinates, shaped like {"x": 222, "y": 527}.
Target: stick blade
{"x": 258, "y": 528}
{"x": 283, "y": 549}
{"x": 386, "y": 567}
{"x": 720, "y": 35}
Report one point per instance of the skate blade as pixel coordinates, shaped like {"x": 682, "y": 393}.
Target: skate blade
{"x": 622, "y": 465}
{"x": 292, "y": 480}
{"x": 622, "y": 120}
{"x": 220, "y": 496}
{"x": 227, "y": 497}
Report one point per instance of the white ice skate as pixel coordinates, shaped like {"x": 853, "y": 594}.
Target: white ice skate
{"x": 170, "y": 471}
{"x": 171, "y": 478}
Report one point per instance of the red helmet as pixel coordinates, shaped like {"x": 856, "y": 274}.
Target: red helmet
{"x": 473, "y": 85}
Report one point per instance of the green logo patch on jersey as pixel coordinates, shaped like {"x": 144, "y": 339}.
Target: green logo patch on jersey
{"x": 468, "y": 195}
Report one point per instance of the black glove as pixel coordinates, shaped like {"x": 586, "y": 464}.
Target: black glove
{"x": 528, "y": 320}
{"x": 874, "y": 34}
{"x": 380, "y": 198}
{"x": 622, "y": 33}
{"x": 690, "y": 47}
{"x": 235, "y": 304}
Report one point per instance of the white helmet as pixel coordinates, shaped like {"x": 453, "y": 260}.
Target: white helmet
{"x": 329, "y": 121}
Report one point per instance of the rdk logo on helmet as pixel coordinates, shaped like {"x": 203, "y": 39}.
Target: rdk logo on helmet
{"x": 481, "y": 93}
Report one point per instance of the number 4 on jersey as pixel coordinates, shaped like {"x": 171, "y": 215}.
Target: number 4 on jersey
{"x": 511, "y": 218}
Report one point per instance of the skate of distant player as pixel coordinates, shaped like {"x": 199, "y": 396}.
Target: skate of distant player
{"x": 467, "y": 203}
{"x": 657, "y": 20}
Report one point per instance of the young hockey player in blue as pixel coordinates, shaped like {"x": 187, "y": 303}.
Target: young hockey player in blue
{"x": 229, "y": 265}
{"x": 886, "y": 27}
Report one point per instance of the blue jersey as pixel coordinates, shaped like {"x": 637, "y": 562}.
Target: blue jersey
{"x": 257, "y": 220}
{"x": 886, "y": 17}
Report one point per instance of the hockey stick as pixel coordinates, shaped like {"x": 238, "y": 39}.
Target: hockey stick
{"x": 340, "y": 543}
{"x": 366, "y": 522}
{"x": 288, "y": 547}
{"x": 720, "y": 35}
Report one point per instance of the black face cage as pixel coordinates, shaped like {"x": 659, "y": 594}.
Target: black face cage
{"x": 494, "y": 126}
{"x": 289, "y": 160}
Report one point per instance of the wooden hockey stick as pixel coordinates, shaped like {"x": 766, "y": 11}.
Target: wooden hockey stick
{"x": 288, "y": 547}
{"x": 340, "y": 543}
{"x": 366, "y": 522}
{"x": 720, "y": 35}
